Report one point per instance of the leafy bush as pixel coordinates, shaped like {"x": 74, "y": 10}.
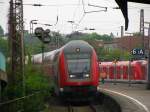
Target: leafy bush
{"x": 36, "y": 81}
{"x": 37, "y": 91}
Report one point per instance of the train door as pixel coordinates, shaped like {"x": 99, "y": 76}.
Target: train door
{"x": 107, "y": 72}
{"x": 103, "y": 71}
{"x": 121, "y": 72}
{"x": 132, "y": 72}
{"x": 125, "y": 72}
{"x": 138, "y": 71}
{"x": 144, "y": 72}
{"x": 111, "y": 72}
{"x": 118, "y": 72}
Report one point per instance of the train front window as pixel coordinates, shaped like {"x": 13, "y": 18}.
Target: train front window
{"x": 78, "y": 66}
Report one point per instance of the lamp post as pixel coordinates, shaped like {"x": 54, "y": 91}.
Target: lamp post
{"x": 44, "y": 36}
{"x": 72, "y": 22}
{"x": 42, "y": 24}
{"x": 31, "y": 26}
{"x": 148, "y": 65}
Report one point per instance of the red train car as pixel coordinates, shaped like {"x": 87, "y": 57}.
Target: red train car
{"x": 75, "y": 69}
{"x": 124, "y": 70}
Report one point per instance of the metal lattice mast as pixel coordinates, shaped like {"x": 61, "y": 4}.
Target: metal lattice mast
{"x": 142, "y": 26}
{"x": 16, "y": 30}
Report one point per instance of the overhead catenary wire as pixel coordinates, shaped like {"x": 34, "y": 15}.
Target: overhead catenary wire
{"x": 56, "y": 21}
{"x": 76, "y": 9}
{"x": 81, "y": 18}
{"x": 98, "y": 6}
{"x": 52, "y": 5}
{"x": 85, "y": 12}
{"x": 63, "y": 5}
{"x": 85, "y": 9}
{"x": 1, "y": 3}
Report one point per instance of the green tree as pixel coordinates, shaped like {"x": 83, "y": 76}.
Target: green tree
{"x": 4, "y": 46}
{"x": 110, "y": 55}
{"x": 87, "y": 37}
{"x": 1, "y": 31}
{"x": 137, "y": 34}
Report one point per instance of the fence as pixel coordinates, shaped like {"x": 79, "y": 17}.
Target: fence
{"x": 31, "y": 103}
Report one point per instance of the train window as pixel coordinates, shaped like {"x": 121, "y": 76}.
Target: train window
{"x": 79, "y": 65}
{"x": 125, "y": 72}
{"x": 75, "y": 56}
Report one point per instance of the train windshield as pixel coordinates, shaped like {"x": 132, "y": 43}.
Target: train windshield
{"x": 78, "y": 65}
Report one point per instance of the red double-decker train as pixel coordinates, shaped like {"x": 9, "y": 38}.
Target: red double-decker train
{"x": 124, "y": 70}
{"x": 74, "y": 68}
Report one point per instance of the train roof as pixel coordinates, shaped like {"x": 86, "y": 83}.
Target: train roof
{"x": 71, "y": 46}
{"x": 143, "y": 62}
{"x": 47, "y": 56}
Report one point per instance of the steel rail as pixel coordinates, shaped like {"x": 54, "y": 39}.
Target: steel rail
{"x": 92, "y": 108}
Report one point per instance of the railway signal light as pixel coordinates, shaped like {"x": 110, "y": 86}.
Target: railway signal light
{"x": 39, "y": 32}
{"x": 43, "y": 35}
{"x": 46, "y": 37}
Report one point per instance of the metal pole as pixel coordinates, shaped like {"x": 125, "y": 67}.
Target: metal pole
{"x": 0, "y": 90}
{"x": 148, "y": 75}
{"x": 58, "y": 41}
{"x": 148, "y": 36}
{"x": 0, "y": 87}
{"x": 16, "y": 34}
{"x": 30, "y": 28}
{"x": 42, "y": 50}
{"x": 142, "y": 26}
{"x": 122, "y": 31}
{"x": 42, "y": 53}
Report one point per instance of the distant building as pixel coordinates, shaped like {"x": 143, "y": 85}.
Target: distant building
{"x": 129, "y": 42}
{"x": 126, "y": 43}
{"x": 110, "y": 45}
{"x": 96, "y": 43}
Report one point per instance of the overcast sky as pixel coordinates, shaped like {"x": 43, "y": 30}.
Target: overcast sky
{"x": 72, "y": 10}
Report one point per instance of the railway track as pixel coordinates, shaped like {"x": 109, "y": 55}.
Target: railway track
{"x": 89, "y": 108}
{"x": 70, "y": 108}
{"x": 101, "y": 103}
{"x": 93, "y": 108}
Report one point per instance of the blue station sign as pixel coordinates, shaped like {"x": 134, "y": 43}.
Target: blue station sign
{"x": 138, "y": 51}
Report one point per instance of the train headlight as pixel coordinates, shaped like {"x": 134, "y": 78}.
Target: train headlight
{"x": 61, "y": 89}
{"x": 72, "y": 76}
{"x": 86, "y": 75}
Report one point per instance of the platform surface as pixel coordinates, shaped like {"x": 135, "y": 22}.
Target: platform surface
{"x": 135, "y": 91}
